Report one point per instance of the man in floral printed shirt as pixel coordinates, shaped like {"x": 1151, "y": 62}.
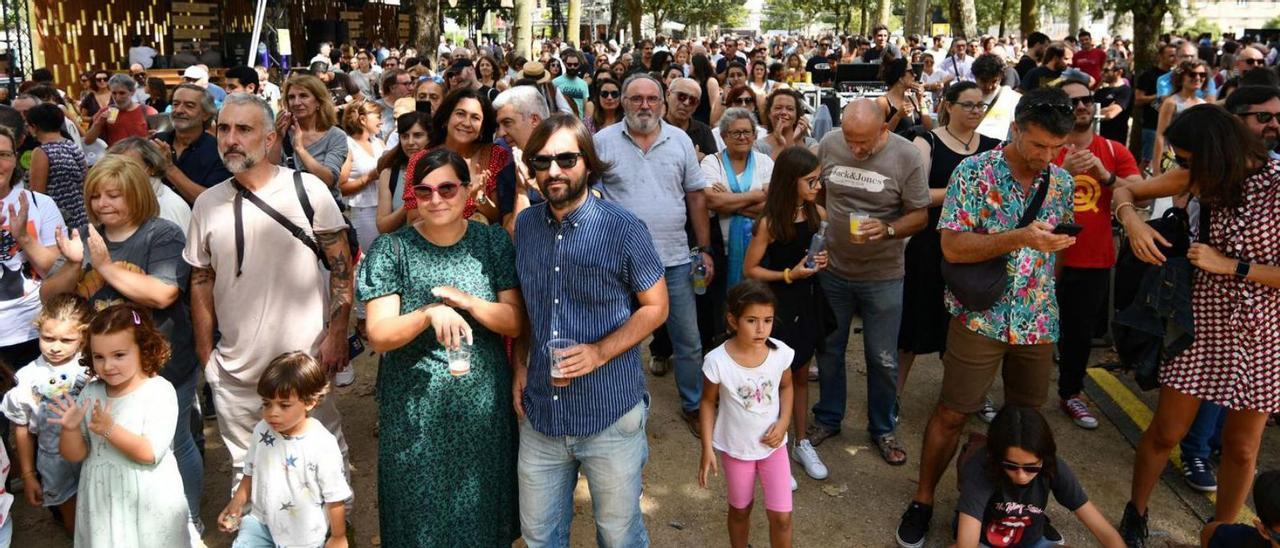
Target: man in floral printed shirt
{"x": 986, "y": 198}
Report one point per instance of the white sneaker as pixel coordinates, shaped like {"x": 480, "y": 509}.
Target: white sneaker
{"x": 794, "y": 485}
{"x": 346, "y": 376}
{"x": 808, "y": 458}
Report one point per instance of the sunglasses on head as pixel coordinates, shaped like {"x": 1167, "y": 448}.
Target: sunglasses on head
{"x": 566, "y": 160}
{"x": 446, "y": 190}
{"x": 1064, "y": 110}
{"x": 1028, "y": 468}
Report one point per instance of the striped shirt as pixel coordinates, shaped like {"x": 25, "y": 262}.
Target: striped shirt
{"x": 653, "y": 184}
{"x": 579, "y": 278}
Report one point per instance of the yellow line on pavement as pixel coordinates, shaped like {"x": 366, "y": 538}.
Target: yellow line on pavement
{"x": 1142, "y": 415}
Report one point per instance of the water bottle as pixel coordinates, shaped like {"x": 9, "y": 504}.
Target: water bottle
{"x": 698, "y": 273}
{"x": 816, "y": 245}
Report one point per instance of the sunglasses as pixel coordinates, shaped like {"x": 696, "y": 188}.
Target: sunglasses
{"x": 571, "y": 65}
{"x": 1182, "y": 162}
{"x": 1028, "y": 468}
{"x": 1254, "y": 62}
{"x": 610, "y": 94}
{"x": 101, "y": 78}
{"x": 1081, "y": 101}
{"x": 446, "y": 191}
{"x": 566, "y": 160}
{"x": 744, "y": 101}
{"x": 1064, "y": 110}
{"x": 1263, "y": 117}
{"x": 687, "y": 99}
{"x": 1198, "y": 75}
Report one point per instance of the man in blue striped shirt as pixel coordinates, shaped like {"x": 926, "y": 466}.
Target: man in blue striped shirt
{"x": 582, "y": 262}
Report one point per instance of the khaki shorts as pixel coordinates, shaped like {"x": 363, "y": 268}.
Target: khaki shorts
{"x": 972, "y": 360}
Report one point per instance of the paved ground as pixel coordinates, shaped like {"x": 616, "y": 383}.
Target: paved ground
{"x": 859, "y": 505}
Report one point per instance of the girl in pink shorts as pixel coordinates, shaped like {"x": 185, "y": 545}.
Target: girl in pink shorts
{"x": 747, "y": 377}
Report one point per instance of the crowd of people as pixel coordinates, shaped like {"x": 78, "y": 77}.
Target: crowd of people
{"x": 504, "y": 232}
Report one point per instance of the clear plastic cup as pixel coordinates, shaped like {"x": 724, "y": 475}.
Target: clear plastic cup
{"x": 113, "y": 113}
{"x": 856, "y": 219}
{"x": 554, "y": 348}
{"x": 459, "y": 359}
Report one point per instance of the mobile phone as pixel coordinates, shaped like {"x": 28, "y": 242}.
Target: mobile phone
{"x": 1070, "y": 229}
{"x": 355, "y": 346}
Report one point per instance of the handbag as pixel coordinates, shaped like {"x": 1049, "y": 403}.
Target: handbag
{"x": 979, "y": 285}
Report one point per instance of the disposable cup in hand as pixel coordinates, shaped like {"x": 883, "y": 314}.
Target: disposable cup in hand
{"x": 555, "y": 349}
{"x": 112, "y": 114}
{"x": 231, "y": 523}
{"x": 856, "y": 221}
{"x": 459, "y": 359}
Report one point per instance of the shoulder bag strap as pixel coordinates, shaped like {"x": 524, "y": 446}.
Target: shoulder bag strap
{"x": 304, "y": 199}
{"x": 242, "y": 194}
{"x": 1033, "y": 209}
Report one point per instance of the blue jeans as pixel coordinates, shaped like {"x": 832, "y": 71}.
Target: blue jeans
{"x": 1148, "y": 144}
{"x": 190, "y": 463}
{"x": 254, "y": 534}
{"x": 612, "y": 460}
{"x": 6, "y": 532}
{"x": 1205, "y": 433}
{"x": 880, "y": 305}
{"x": 686, "y": 345}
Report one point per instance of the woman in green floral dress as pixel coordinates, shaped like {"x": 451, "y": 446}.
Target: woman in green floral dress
{"x": 447, "y": 444}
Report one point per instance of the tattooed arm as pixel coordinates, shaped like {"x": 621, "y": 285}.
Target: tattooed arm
{"x": 333, "y": 349}
{"x": 202, "y": 318}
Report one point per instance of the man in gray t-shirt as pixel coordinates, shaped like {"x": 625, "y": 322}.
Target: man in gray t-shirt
{"x": 877, "y": 180}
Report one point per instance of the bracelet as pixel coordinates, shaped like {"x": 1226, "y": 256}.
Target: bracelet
{"x": 786, "y": 275}
{"x": 1122, "y": 206}
{"x": 106, "y": 434}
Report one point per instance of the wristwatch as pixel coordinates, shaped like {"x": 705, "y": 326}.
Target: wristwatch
{"x": 888, "y": 229}
{"x": 1242, "y": 269}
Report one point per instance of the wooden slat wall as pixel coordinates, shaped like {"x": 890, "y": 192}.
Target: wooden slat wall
{"x": 79, "y": 35}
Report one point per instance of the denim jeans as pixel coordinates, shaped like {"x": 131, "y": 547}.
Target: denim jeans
{"x": 254, "y": 534}
{"x": 1148, "y": 144}
{"x": 682, "y": 327}
{"x": 612, "y": 460}
{"x": 1205, "y": 433}
{"x": 190, "y": 463}
{"x": 880, "y": 305}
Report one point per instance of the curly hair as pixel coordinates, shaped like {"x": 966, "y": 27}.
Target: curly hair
{"x": 153, "y": 349}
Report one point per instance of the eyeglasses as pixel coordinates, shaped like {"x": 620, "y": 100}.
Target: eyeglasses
{"x": 744, "y": 101}
{"x": 446, "y": 191}
{"x": 1082, "y": 101}
{"x": 610, "y": 94}
{"x": 638, "y": 100}
{"x": 1182, "y": 161}
{"x": 973, "y": 107}
{"x": 740, "y": 134}
{"x": 566, "y": 160}
{"x": 1262, "y": 117}
{"x": 1198, "y": 75}
{"x": 813, "y": 182}
{"x": 405, "y": 82}
{"x": 1028, "y": 468}
{"x": 8, "y": 155}
{"x": 687, "y": 99}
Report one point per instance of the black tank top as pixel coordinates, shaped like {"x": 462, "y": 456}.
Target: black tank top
{"x": 943, "y": 161}
{"x": 703, "y": 112}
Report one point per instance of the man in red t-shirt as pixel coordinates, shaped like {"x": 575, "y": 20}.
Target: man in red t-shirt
{"x": 124, "y": 118}
{"x": 1099, "y": 165}
{"x": 1089, "y": 59}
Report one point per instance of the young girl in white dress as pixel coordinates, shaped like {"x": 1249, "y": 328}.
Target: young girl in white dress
{"x": 121, "y": 428}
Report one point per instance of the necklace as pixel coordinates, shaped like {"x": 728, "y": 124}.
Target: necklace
{"x": 959, "y": 140}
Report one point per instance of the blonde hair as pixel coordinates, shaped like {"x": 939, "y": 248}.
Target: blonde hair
{"x": 131, "y": 177}
{"x": 351, "y": 116}
{"x": 326, "y": 114}
{"x": 65, "y": 307}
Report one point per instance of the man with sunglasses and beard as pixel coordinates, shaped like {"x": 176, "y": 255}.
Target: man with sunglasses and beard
{"x": 1099, "y": 165}
{"x": 1259, "y": 108}
{"x": 683, "y": 97}
{"x": 1019, "y": 329}
{"x": 571, "y": 84}
{"x": 655, "y": 175}
{"x": 582, "y": 262}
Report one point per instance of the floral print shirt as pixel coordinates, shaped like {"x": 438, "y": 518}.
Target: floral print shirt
{"x": 984, "y": 198}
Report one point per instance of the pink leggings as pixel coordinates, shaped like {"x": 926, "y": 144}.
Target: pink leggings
{"x": 775, "y": 477}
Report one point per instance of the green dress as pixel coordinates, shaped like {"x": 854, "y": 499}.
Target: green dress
{"x": 447, "y": 445}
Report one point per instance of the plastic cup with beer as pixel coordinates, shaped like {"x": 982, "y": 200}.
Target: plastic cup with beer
{"x": 555, "y": 349}
{"x": 856, "y": 220}
{"x": 113, "y": 113}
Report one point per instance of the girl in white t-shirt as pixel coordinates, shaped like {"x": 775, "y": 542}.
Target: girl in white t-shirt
{"x": 747, "y": 376}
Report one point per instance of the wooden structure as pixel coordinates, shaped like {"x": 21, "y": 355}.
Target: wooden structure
{"x": 72, "y": 36}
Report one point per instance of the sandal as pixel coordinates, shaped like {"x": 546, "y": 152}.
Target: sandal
{"x": 890, "y": 450}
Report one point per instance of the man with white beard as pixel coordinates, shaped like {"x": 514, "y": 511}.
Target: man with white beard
{"x": 196, "y": 165}
{"x": 656, "y": 176}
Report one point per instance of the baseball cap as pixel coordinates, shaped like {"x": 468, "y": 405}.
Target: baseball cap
{"x": 195, "y": 72}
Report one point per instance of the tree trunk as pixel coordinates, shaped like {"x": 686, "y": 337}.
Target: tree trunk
{"x": 429, "y": 19}
{"x": 634, "y": 11}
{"x": 910, "y": 17}
{"x": 1004, "y": 16}
{"x": 1029, "y": 20}
{"x": 573, "y": 34}
{"x": 883, "y": 11}
{"x": 862, "y": 23}
{"x": 1146, "y": 33}
{"x": 969, "y": 18}
{"x": 613, "y": 20}
{"x": 524, "y": 27}
{"x": 1073, "y": 17}
{"x": 924, "y": 20}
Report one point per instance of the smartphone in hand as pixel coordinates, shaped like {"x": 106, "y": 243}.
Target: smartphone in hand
{"x": 1069, "y": 229}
